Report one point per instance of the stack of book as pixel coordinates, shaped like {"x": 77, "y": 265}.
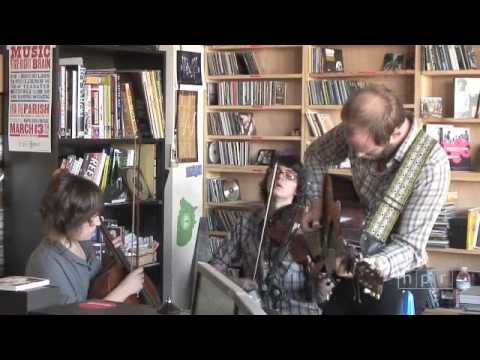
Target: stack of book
{"x": 326, "y": 60}
{"x": 332, "y": 92}
{"x": 21, "y": 283}
{"x": 439, "y": 235}
{"x": 250, "y": 93}
{"x": 232, "y": 63}
{"x": 222, "y": 219}
{"x": 230, "y": 123}
{"x": 234, "y": 153}
{"x": 106, "y": 103}
{"x": 449, "y": 57}
{"x": 319, "y": 123}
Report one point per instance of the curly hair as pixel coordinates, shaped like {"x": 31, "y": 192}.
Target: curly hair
{"x": 290, "y": 161}
{"x": 68, "y": 202}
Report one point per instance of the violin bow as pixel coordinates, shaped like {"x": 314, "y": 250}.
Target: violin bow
{"x": 267, "y": 211}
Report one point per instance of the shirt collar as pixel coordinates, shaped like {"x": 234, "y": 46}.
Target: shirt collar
{"x": 402, "y": 150}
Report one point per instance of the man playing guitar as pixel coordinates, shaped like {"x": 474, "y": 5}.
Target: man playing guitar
{"x": 401, "y": 177}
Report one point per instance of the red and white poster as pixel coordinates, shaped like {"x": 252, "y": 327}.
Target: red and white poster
{"x": 30, "y": 98}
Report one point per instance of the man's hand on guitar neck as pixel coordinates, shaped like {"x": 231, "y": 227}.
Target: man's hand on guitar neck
{"x": 312, "y": 216}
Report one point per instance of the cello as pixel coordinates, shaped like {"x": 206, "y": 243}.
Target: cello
{"x": 114, "y": 272}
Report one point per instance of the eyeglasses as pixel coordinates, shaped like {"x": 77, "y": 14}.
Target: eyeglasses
{"x": 289, "y": 175}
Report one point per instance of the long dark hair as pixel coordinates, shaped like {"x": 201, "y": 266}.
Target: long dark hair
{"x": 68, "y": 202}
{"x": 292, "y": 162}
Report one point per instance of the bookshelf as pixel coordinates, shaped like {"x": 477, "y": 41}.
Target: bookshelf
{"x": 278, "y": 126}
{"x": 361, "y": 62}
{"x": 24, "y": 196}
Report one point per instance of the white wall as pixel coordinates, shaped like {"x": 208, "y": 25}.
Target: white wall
{"x": 177, "y": 259}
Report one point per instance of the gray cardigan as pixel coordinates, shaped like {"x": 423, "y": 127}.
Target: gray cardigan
{"x": 71, "y": 274}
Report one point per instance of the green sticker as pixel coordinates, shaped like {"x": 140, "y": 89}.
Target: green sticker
{"x": 185, "y": 222}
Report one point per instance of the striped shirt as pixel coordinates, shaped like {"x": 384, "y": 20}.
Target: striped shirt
{"x": 405, "y": 248}
{"x": 283, "y": 280}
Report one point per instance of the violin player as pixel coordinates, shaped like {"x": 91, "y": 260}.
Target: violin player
{"x": 281, "y": 282}
{"x": 70, "y": 210}
{"x": 401, "y": 176}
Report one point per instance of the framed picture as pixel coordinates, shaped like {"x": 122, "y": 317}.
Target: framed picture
{"x": 265, "y": 156}
{"x": 189, "y": 68}
{"x": 186, "y": 126}
{"x": 136, "y": 183}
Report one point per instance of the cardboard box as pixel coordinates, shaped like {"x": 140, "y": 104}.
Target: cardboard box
{"x": 24, "y": 302}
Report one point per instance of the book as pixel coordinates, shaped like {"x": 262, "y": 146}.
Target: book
{"x": 392, "y": 61}
{"x": 456, "y": 143}
{"x": 431, "y": 106}
{"x": 473, "y": 218}
{"x": 20, "y": 283}
{"x": 466, "y": 91}
{"x": 333, "y": 60}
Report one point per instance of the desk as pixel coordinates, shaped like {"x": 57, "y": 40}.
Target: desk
{"x": 99, "y": 308}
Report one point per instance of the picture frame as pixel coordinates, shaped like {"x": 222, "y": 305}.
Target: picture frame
{"x": 265, "y": 157}
{"x": 186, "y": 126}
{"x": 142, "y": 192}
{"x": 189, "y": 68}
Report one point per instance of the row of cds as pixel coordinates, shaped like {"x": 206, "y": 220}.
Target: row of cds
{"x": 229, "y": 153}
{"x": 230, "y": 123}
{"x": 223, "y": 190}
{"x": 264, "y": 92}
{"x": 332, "y": 92}
{"x": 232, "y": 63}
{"x": 222, "y": 219}
{"x": 439, "y": 235}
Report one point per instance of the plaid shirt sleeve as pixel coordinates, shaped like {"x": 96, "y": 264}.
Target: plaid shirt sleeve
{"x": 325, "y": 152}
{"x": 406, "y": 248}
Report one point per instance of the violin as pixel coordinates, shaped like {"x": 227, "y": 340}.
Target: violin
{"x": 115, "y": 272}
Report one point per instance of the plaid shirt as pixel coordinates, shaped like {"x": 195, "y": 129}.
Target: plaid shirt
{"x": 276, "y": 270}
{"x": 405, "y": 249}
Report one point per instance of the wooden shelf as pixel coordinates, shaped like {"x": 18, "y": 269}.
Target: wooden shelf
{"x": 141, "y": 202}
{"x": 254, "y": 138}
{"x": 452, "y": 73}
{"x": 254, "y": 77}
{"x": 145, "y": 49}
{"x": 450, "y": 121}
{"x": 466, "y": 176}
{"x": 454, "y": 251}
{"x": 253, "y": 107}
{"x": 240, "y": 47}
{"x": 218, "y": 233}
{"x": 339, "y": 107}
{"x": 237, "y": 204}
{"x": 325, "y": 107}
{"x": 344, "y": 172}
{"x": 361, "y": 74}
{"x": 77, "y": 142}
{"x": 248, "y": 169}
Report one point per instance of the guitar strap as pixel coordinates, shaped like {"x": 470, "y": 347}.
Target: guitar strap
{"x": 401, "y": 187}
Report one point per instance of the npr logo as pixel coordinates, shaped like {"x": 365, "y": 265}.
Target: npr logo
{"x": 432, "y": 279}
